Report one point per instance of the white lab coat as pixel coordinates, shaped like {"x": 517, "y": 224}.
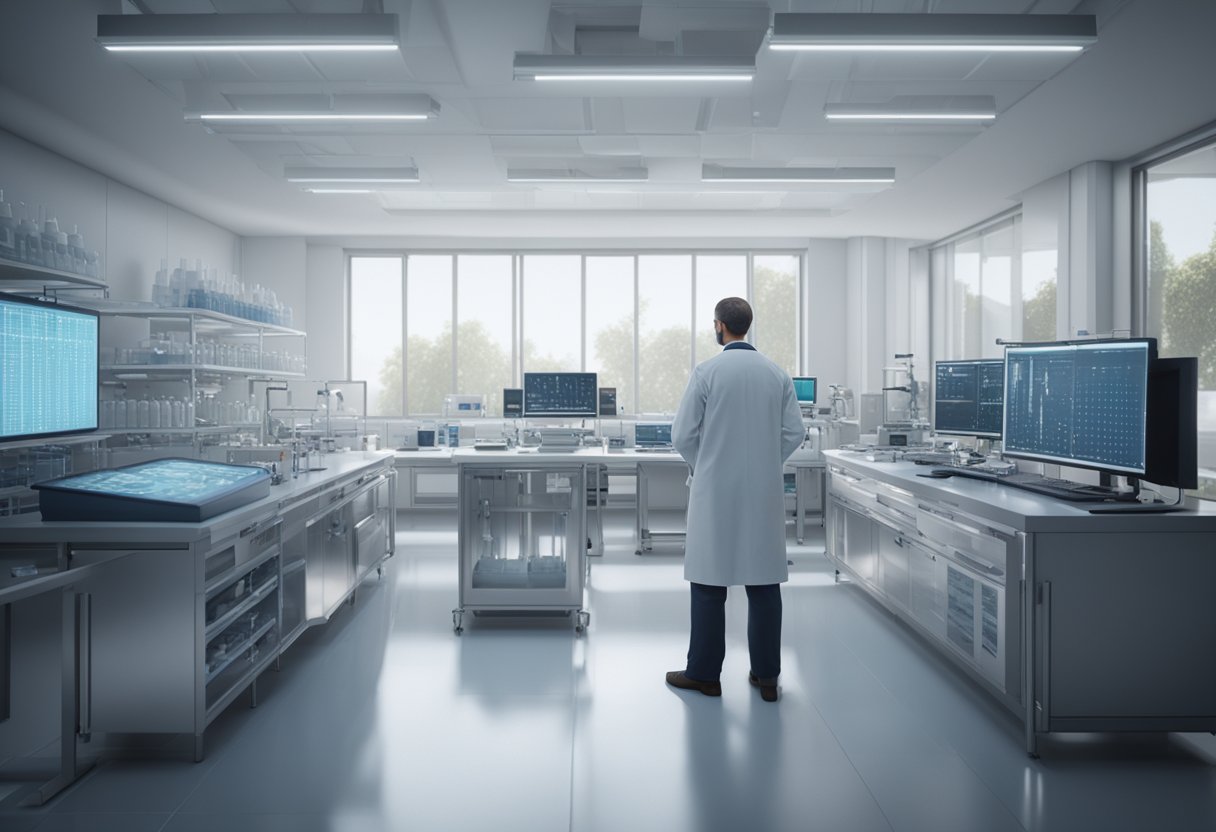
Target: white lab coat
{"x": 737, "y": 424}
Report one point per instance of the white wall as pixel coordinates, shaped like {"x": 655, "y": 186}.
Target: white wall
{"x": 824, "y": 324}
{"x": 132, "y": 231}
{"x": 326, "y": 314}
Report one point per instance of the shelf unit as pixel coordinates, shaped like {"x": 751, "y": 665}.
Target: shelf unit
{"x": 17, "y": 276}
{"x": 194, "y": 323}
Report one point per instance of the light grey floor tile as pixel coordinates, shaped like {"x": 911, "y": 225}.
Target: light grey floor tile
{"x": 385, "y": 719}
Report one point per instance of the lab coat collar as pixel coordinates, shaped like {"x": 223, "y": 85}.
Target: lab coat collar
{"x": 738, "y": 345}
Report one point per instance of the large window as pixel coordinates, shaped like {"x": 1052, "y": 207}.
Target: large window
{"x": 981, "y": 295}
{"x": 609, "y": 327}
{"x": 1178, "y": 276}
{"x": 664, "y": 333}
{"x": 775, "y": 302}
{"x": 474, "y": 322}
{"x": 428, "y": 306}
{"x": 484, "y": 336}
{"x": 375, "y": 326}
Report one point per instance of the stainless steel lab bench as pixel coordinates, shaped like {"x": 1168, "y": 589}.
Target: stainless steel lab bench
{"x": 187, "y": 621}
{"x": 1074, "y": 621}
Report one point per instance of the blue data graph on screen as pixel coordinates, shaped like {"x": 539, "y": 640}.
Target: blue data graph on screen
{"x": 48, "y": 369}
{"x": 1084, "y": 404}
{"x": 804, "y": 389}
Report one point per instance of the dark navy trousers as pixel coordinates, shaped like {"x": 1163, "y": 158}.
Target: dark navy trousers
{"x": 707, "y": 643}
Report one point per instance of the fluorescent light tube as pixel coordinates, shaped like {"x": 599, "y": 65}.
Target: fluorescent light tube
{"x": 797, "y": 176}
{"x": 857, "y": 32}
{"x": 343, "y": 107}
{"x": 351, "y": 176}
{"x": 616, "y": 68}
{"x": 917, "y": 108}
{"x": 340, "y": 190}
{"x": 248, "y": 32}
{"x": 236, "y": 116}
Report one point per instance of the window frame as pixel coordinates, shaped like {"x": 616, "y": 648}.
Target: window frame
{"x": 517, "y": 268}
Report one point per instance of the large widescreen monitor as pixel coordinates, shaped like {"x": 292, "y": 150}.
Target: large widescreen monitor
{"x": 969, "y": 397}
{"x": 48, "y": 369}
{"x": 804, "y": 389}
{"x": 560, "y": 394}
{"x": 1082, "y": 404}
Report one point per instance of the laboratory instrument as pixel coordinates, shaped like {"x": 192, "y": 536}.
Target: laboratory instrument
{"x": 512, "y": 402}
{"x": 652, "y": 436}
{"x": 901, "y": 393}
{"x": 560, "y": 394}
{"x": 607, "y": 401}
{"x": 969, "y": 397}
{"x": 464, "y": 405}
{"x": 163, "y": 490}
{"x": 48, "y": 369}
{"x": 804, "y": 391}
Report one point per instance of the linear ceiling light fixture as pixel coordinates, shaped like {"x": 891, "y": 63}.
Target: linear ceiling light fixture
{"x": 340, "y": 190}
{"x": 351, "y": 176}
{"x": 852, "y": 32}
{"x": 718, "y": 174}
{"x": 918, "y": 108}
{"x": 568, "y": 176}
{"x": 657, "y": 68}
{"x": 340, "y": 108}
{"x": 248, "y": 32}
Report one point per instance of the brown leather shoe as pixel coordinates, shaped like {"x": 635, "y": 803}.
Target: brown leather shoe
{"x": 677, "y": 679}
{"x": 767, "y": 692}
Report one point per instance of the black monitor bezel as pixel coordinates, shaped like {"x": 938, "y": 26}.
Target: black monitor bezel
{"x": 976, "y": 433}
{"x": 814, "y": 380}
{"x": 61, "y": 307}
{"x": 579, "y": 414}
{"x": 1068, "y": 461}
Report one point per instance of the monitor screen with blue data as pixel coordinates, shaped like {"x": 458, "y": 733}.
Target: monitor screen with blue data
{"x": 48, "y": 369}
{"x": 1082, "y": 404}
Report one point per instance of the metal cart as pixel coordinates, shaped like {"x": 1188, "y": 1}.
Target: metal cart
{"x": 522, "y": 539}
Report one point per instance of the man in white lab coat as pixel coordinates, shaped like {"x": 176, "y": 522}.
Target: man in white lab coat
{"x": 737, "y": 424}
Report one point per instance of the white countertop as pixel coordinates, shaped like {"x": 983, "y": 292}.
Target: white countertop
{"x": 32, "y": 528}
{"x": 1018, "y": 509}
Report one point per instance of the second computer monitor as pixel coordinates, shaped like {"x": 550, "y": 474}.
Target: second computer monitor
{"x": 652, "y": 435}
{"x": 560, "y": 394}
{"x": 968, "y": 397}
{"x": 804, "y": 389}
{"x": 1082, "y": 404}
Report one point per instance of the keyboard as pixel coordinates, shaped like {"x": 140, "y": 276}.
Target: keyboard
{"x": 654, "y": 449}
{"x": 1073, "y": 492}
{"x": 489, "y": 445}
{"x": 930, "y": 457}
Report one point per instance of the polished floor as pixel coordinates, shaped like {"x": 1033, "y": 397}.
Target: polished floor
{"x": 386, "y": 720}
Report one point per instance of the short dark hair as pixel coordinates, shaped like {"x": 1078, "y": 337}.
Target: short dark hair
{"x": 735, "y": 314}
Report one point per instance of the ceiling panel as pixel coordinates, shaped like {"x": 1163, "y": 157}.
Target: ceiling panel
{"x": 521, "y": 146}
{"x": 530, "y": 114}
{"x": 661, "y": 115}
{"x": 367, "y": 67}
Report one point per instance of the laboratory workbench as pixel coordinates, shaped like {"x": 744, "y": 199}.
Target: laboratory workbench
{"x": 190, "y": 618}
{"x": 1074, "y": 621}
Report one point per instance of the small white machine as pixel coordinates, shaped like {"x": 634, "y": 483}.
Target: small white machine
{"x": 464, "y": 405}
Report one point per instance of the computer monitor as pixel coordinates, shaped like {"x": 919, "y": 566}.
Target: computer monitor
{"x": 969, "y": 397}
{"x": 656, "y": 435}
{"x": 512, "y": 402}
{"x": 560, "y": 394}
{"x": 1173, "y": 423}
{"x": 1082, "y": 404}
{"x": 48, "y": 369}
{"x": 804, "y": 389}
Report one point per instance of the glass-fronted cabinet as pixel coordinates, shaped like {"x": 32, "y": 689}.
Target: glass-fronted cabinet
{"x": 523, "y": 540}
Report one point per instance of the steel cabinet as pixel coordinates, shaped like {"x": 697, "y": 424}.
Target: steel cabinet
{"x": 522, "y": 539}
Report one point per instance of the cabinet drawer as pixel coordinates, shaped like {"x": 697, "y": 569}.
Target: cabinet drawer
{"x": 982, "y": 549}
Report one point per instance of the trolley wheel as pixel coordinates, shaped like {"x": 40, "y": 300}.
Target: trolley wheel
{"x": 582, "y": 621}
{"x": 637, "y": 551}
{"x": 458, "y": 621}
{"x": 837, "y": 576}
